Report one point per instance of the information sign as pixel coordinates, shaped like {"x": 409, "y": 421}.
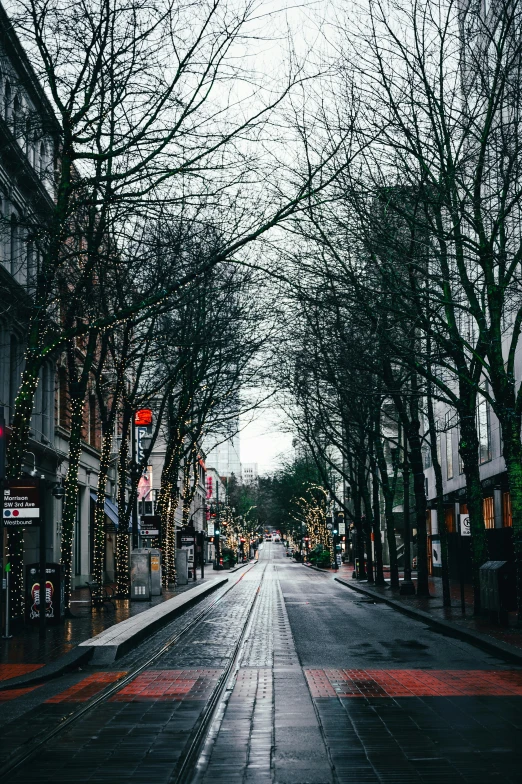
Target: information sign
{"x": 342, "y": 528}
{"x": 150, "y": 525}
{"x": 21, "y": 503}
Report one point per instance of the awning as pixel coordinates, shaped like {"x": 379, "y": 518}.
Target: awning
{"x": 110, "y": 509}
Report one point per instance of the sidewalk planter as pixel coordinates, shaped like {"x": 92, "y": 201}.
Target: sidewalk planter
{"x": 321, "y": 558}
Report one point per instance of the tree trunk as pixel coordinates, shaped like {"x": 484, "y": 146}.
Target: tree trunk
{"x": 357, "y": 515}
{"x": 419, "y": 490}
{"x": 71, "y": 490}
{"x": 388, "y": 494}
{"x": 469, "y": 450}
{"x": 122, "y": 537}
{"x": 368, "y": 519}
{"x": 513, "y": 458}
{"x": 441, "y": 519}
{"x": 376, "y": 510}
{"x": 18, "y": 441}
{"x": 99, "y": 515}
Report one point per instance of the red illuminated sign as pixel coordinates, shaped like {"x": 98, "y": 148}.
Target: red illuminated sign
{"x": 143, "y": 417}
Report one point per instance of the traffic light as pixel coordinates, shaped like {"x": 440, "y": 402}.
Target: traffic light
{"x": 216, "y": 531}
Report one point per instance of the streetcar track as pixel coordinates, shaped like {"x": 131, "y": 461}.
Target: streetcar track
{"x": 23, "y": 754}
{"x": 215, "y": 708}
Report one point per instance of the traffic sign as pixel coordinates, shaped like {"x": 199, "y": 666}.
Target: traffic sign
{"x": 465, "y": 528}
{"x": 21, "y": 502}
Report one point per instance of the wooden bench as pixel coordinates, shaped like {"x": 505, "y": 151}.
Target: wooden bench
{"x": 107, "y": 593}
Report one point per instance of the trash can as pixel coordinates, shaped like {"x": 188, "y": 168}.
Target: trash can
{"x": 54, "y": 596}
{"x": 155, "y": 573}
{"x": 181, "y": 567}
{"x": 497, "y": 594}
{"x": 140, "y": 575}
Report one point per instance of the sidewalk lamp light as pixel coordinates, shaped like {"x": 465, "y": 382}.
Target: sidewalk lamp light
{"x": 59, "y": 491}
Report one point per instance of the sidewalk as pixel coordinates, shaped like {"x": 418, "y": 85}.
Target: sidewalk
{"x": 25, "y": 652}
{"x": 476, "y": 629}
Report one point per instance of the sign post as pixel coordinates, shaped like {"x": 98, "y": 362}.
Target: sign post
{"x": 21, "y": 508}
{"x": 5, "y": 566}
{"x": 43, "y": 579}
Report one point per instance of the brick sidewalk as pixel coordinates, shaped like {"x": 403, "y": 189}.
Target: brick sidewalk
{"x": 25, "y": 650}
{"x": 510, "y": 634}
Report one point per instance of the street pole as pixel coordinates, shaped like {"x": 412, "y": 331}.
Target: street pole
{"x": 459, "y": 559}
{"x": 5, "y": 566}
{"x": 43, "y": 564}
{"x": 135, "y": 530}
{"x": 202, "y": 553}
{"x": 407, "y": 587}
{"x": 218, "y": 527}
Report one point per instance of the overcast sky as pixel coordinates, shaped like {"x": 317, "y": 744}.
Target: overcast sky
{"x": 264, "y": 441}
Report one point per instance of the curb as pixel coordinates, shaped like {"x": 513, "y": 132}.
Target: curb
{"x": 117, "y": 640}
{"x": 69, "y": 661}
{"x": 498, "y": 648}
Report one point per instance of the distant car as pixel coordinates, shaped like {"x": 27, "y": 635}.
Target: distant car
{"x": 277, "y": 539}
{"x": 268, "y": 538}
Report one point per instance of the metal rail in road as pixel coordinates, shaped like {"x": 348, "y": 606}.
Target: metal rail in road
{"x": 190, "y": 755}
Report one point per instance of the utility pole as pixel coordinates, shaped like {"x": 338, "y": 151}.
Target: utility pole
{"x": 217, "y": 531}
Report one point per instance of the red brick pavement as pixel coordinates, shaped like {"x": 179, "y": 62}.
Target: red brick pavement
{"x": 86, "y": 688}
{"x": 164, "y": 685}
{"x": 414, "y": 683}
{"x": 8, "y": 671}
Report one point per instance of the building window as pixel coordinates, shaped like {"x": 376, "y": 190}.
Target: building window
{"x": 449, "y": 519}
{"x": 449, "y": 448}
{"x": 14, "y": 374}
{"x": 46, "y": 402}
{"x": 63, "y": 402}
{"x": 507, "y": 517}
{"x": 41, "y": 159}
{"x": 489, "y": 512}
{"x": 484, "y": 431}
{"x": 17, "y": 116}
{"x": 92, "y": 420}
{"x": 30, "y": 264}
{"x": 7, "y": 101}
{"x": 13, "y": 249}
{"x": 461, "y": 461}
{"x": 28, "y": 137}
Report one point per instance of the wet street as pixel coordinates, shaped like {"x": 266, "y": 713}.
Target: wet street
{"x": 289, "y": 677}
